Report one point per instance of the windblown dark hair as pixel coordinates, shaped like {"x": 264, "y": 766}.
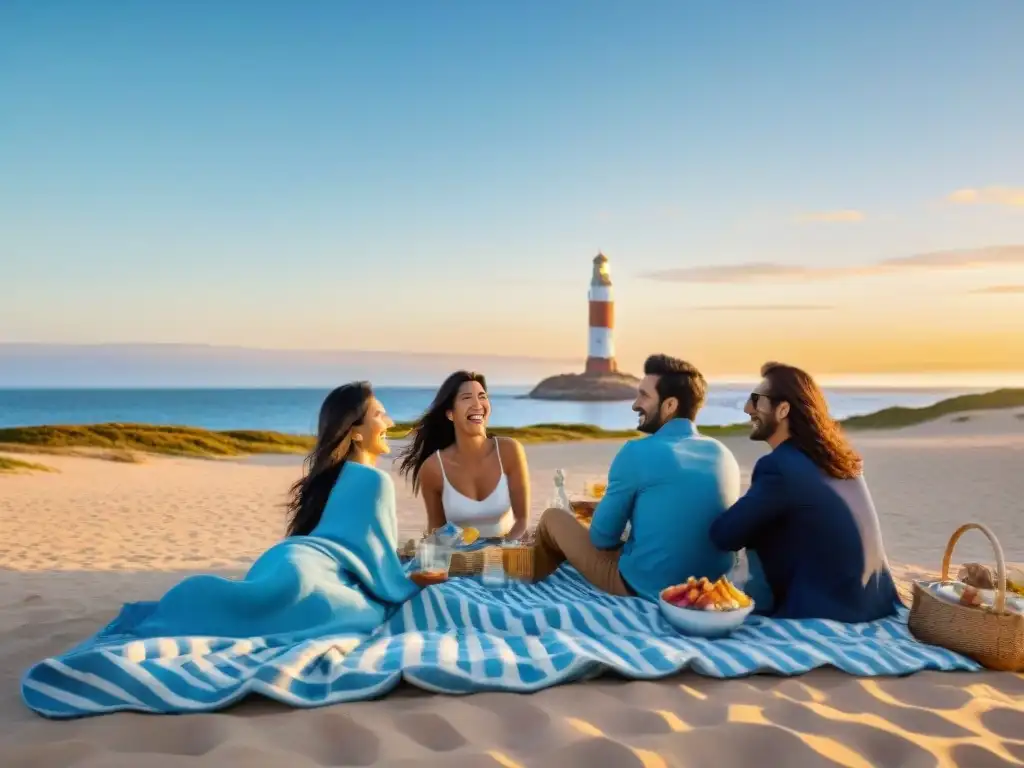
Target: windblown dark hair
{"x": 811, "y": 428}
{"x": 343, "y": 409}
{"x": 679, "y": 379}
{"x": 434, "y": 431}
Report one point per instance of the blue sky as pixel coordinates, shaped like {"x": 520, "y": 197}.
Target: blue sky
{"x": 437, "y": 175}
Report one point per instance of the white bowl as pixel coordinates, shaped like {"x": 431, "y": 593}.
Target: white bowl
{"x": 701, "y": 623}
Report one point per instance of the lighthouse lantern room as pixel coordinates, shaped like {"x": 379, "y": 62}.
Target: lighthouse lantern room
{"x": 600, "y": 346}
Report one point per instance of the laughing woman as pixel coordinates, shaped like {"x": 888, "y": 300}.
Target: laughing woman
{"x": 467, "y": 478}
{"x": 336, "y": 571}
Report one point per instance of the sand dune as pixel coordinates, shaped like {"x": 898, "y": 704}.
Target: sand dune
{"x": 76, "y": 544}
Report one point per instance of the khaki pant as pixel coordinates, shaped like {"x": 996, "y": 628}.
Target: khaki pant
{"x": 561, "y": 537}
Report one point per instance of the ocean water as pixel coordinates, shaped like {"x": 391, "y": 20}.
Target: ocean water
{"x": 295, "y": 410}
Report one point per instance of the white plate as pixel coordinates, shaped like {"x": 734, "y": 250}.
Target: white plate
{"x": 950, "y": 591}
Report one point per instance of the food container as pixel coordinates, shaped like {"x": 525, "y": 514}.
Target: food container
{"x": 958, "y": 593}
{"x": 700, "y": 623}
{"x": 992, "y": 636}
{"x": 709, "y": 609}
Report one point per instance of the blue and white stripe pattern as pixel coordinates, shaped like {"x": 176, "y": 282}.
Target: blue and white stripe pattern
{"x": 456, "y": 638}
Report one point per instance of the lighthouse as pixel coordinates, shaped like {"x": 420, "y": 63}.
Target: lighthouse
{"x": 600, "y": 346}
{"x": 602, "y": 380}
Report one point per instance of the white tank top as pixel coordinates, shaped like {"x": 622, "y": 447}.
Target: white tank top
{"x": 491, "y": 516}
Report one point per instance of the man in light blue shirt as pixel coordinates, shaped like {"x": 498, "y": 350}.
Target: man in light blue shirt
{"x": 669, "y": 487}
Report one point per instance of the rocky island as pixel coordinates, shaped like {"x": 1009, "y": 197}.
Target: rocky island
{"x": 587, "y": 387}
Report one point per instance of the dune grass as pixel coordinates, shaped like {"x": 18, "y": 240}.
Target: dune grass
{"x": 899, "y": 416}
{"x": 121, "y": 440}
{"x": 9, "y": 465}
{"x": 127, "y": 442}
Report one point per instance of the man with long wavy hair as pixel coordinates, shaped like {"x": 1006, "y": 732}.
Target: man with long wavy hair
{"x": 808, "y": 515}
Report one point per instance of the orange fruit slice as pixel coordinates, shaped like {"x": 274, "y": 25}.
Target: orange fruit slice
{"x": 469, "y": 535}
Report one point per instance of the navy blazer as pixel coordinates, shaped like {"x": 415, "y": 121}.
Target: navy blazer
{"x": 817, "y": 538}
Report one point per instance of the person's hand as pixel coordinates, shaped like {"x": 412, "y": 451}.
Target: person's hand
{"x": 516, "y": 533}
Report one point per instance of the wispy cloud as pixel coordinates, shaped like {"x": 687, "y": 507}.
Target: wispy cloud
{"x": 763, "y": 308}
{"x": 1000, "y": 289}
{"x": 832, "y": 217}
{"x": 759, "y": 272}
{"x": 1012, "y": 197}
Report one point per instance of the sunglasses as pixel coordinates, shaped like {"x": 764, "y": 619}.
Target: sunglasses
{"x": 755, "y": 398}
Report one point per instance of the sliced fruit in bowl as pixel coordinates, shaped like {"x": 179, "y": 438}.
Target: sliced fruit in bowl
{"x": 704, "y": 608}
{"x": 702, "y": 594}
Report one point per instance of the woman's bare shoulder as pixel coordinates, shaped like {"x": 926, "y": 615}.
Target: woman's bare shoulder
{"x": 512, "y": 452}
{"x": 430, "y": 473}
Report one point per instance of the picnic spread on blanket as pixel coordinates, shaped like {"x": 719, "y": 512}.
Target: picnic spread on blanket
{"x": 483, "y": 623}
{"x": 461, "y": 637}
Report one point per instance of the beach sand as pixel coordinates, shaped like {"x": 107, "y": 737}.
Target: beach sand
{"x": 76, "y": 544}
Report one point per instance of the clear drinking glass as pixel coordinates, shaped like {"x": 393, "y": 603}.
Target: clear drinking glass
{"x": 432, "y": 561}
{"x": 493, "y": 574}
{"x": 594, "y": 487}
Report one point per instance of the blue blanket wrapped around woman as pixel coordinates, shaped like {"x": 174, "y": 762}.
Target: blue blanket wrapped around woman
{"x": 345, "y": 577}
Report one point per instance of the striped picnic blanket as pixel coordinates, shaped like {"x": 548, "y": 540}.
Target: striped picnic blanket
{"x": 461, "y": 637}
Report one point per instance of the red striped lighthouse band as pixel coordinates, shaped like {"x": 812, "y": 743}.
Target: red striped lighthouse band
{"x": 602, "y": 314}
{"x": 601, "y": 365}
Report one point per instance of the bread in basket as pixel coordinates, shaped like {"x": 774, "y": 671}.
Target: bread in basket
{"x": 991, "y": 635}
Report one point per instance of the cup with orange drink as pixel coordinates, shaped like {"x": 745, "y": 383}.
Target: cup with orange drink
{"x": 432, "y": 563}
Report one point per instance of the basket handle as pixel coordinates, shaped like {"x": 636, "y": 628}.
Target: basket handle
{"x": 1000, "y": 602}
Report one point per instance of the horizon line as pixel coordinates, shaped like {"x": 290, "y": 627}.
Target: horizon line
{"x": 979, "y": 380}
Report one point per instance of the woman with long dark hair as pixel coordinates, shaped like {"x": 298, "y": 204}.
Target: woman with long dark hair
{"x": 352, "y": 427}
{"x": 336, "y": 571}
{"x": 808, "y": 516}
{"x": 465, "y": 477}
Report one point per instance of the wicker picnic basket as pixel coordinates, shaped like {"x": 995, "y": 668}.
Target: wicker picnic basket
{"x": 994, "y": 637}
{"x": 518, "y": 562}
